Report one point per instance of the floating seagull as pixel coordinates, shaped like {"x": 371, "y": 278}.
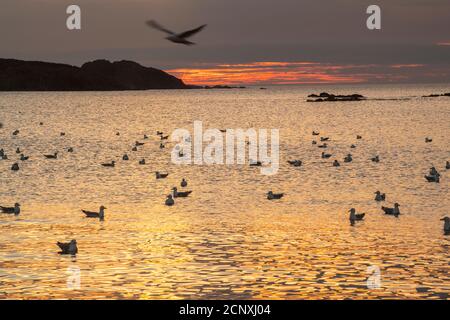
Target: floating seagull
{"x": 4, "y": 157}
{"x": 355, "y": 216}
{"x": 358, "y": 137}
{"x": 324, "y": 138}
{"x": 2, "y": 152}
{"x": 348, "y": 158}
{"x": 315, "y": 133}
{"x": 183, "y": 183}
{"x": 433, "y": 178}
{"x": 62, "y": 134}
{"x": 255, "y": 163}
{"x": 51, "y": 156}
{"x": 70, "y": 149}
{"x": 117, "y": 133}
{"x": 23, "y": 158}
{"x": 274, "y": 196}
{"x": 326, "y": 155}
{"x": 446, "y": 225}
{"x": 160, "y": 175}
{"x": 376, "y": 159}
{"x": 18, "y": 150}
{"x": 161, "y": 145}
{"x": 323, "y": 146}
{"x": 336, "y": 163}
{"x": 176, "y": 37}
{"x": 112, "y": 164}
{"x": 41, "y": 123}
{"x": 125, "y": 157}
{"x": 15, "y": 167}
{"x": 447, "y": 165}
{"x": 434, "y": 172}
{"x": 353, "y": 146}
{"x": 314, "y": 142}
{"x": 434, "y": 175}
{"x": 142, "y": 162}
{"x": 182, "y": 194}
{"x": 134, "y": 149}
{"x": 11, "y": 210}
{"x": 159, "y": 133}
{"x": 295, "y": 163}
{"x": 68, "y": 248}
{"x": 392, "y": 211}
{"x": 164, "y": 137}
{"x": 145, "y": 137}
{"x": 169, "y": 201}
{"x": 93, "y": 214}
{"x": 428, "y": 140}
{"x": 380, "y": 196}
{"x": 16, "y": 132}
{"x": 138, "y": 144}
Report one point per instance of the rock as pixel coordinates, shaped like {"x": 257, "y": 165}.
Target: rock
{"x": 100, "y": 75}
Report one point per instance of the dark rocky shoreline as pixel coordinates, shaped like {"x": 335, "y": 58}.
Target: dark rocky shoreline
{"x": 99, "y": 75}
{"x": 328, "y": 97}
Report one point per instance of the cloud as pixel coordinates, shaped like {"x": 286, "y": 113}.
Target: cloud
{"x": 300, "y": 72}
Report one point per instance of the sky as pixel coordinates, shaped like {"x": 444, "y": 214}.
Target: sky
{"x": 246, "y": 41}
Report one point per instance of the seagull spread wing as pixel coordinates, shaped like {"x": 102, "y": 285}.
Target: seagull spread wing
{"x": 157, "y": 26}
{"x": 189, "y": 33}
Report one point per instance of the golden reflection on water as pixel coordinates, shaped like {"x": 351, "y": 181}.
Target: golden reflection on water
{"x": 226, "y": 240}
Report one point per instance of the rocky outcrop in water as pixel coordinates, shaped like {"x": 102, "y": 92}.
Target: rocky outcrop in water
{"x": 99, "y": 75}
{"x": 328, "y": 97}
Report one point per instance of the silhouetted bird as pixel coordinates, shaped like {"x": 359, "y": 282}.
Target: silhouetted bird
{"x": 176, "y": 37}
{"x": 169, "y": 201}
{"x": 160, "y": 175}
{"x": 68, "y": 248}
{"x": 15, "y": 167}
{"x": 446, "y": 225}
{"x": 93, "y": 214}
{"x": 183, "y": 183}
{"x": 380, "y": 196}
{"x": 295, "y": 163}
{"x": 274, "y": 196}
{"x": 51, "y": 156}
{"x": 180, "y": 194}
{"x": 112, "y": 164}
{"x": 392, "y": 211}
{"x": 11, "y": 210}
{"x": 355, "y": 216}
{"x": 348, "y": 158}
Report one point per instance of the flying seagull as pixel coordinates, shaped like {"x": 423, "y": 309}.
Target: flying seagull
{"x": 176, "y": 37}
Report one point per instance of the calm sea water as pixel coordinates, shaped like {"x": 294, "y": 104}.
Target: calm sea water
{"x": 226, "y": 240}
